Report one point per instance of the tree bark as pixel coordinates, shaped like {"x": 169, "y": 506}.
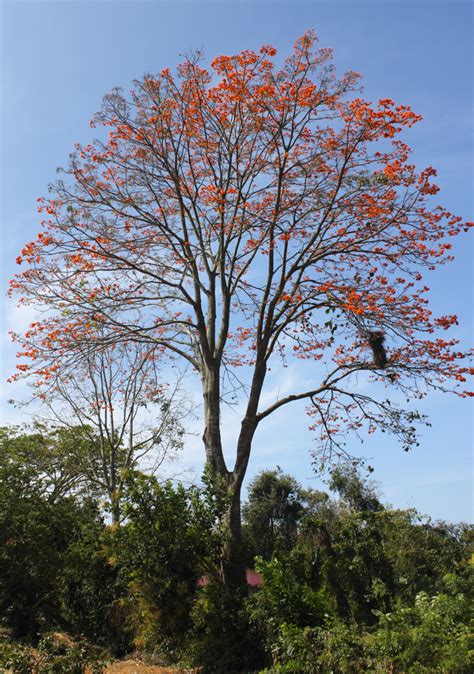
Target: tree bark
{"x": 212, "y": 431}
{"x": 233, "y": 566}
{"x": 115, "y": 507}
{"x": 233, "y": 562}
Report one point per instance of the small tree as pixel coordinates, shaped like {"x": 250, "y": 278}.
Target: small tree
{"x": 357, "y": 494}
{"x": 276, "y": 503}
{"x": 243, "y": 214}
{"x": 170, "y": 539}
{"x": 49, "y": 459}
{"x": 35, "y": 533}
{"x": 109, "y": 395}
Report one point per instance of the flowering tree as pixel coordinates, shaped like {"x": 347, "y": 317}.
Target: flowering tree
{"x": 242, "y": 214}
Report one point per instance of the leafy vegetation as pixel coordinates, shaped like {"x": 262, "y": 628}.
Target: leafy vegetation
{"x": 349, "y": 584}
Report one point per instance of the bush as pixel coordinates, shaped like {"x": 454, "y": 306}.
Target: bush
{"x": 285, "y": 599}
{"x": 92, "y": 595}
{"x": 432, "y": 636}
{"x": 34, "y": 537}
{"x": 223, "y": 639}
{"x": 169, "y": 540}
{"x": 338, "y": 649}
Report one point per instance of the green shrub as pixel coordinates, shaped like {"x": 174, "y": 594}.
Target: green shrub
{"x": 285, "y": 599}
{"x": 223, "y": 639}
{"x": 93, "y": 598}
{"x": 34, "y": 537}
{"x": 435, "y": 635}
{"x": 431, "y": 637}
{"x": 338, "y": 649}
{"x": 169, "y": 540}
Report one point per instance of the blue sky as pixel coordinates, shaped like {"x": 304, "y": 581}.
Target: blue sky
{"x": 60, "y": 58}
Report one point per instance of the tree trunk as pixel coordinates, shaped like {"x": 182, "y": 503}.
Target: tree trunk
{"x": 233, "y": 563}
{"x": 212, "y": 431}
{"x": 115, "y": 507}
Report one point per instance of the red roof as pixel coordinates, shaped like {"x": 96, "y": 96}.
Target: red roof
{"x": 254, "y": 579}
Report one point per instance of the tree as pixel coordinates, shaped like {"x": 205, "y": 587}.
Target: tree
{"x": 101, "y": 406}
{"x": 365, "y": 588}
{"x": 47, "y": 459}
{"x": 276, "y": 503}
{"x": 35, "y": 533}
{"x": 239, "y": 215}
{"x": 109, "y": 394}
{"x": 352, "y": 489}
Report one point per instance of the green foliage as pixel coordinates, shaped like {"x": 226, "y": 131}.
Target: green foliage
{"x": 354, "y": 492}
{"x": 275, "y": 506}
{"x": 365, "y": 568}
{"x": 34, "y": 535}
{"x": 92, "y": 595}
{"x": 170, "y": 539}
{"x": 352, "y": 563}
{"x": 48, "y": 459}
{"x": 285, "y": 599}
{"x": 433, "y": 635}
{"x": 224, "y": 640}
{"x": 338, "y": 649}
{"x": 349, "y": 585}
{"x": 421, "y": 552}
{"x": 53, "y": 571}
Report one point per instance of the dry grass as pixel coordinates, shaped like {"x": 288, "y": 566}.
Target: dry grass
{"x": 136, "y": 667}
